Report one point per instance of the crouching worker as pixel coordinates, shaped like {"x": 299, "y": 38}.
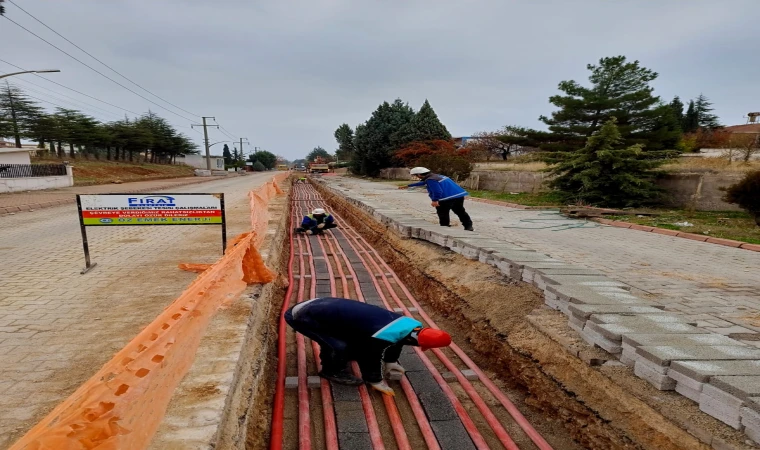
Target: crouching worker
{"x": 316, "y": 222}
{"x": 349, "y": 330}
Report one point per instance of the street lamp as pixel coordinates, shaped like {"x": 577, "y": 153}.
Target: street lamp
{"x": 29, "y": 71}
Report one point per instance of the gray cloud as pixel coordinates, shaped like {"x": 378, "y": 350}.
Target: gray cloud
{"x": 286, "y": 74}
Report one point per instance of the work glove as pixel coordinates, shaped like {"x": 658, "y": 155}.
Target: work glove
{"x": 309, "y": 232}
{"x": 383, "y": 388}
{"x": 320, "y": 226}
{"x": 393, "y": 369}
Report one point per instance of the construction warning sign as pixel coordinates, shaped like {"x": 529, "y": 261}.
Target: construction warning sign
{"x": 151, "y": 209}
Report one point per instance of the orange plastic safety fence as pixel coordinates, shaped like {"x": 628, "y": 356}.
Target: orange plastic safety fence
{"x": 122, "y": 405}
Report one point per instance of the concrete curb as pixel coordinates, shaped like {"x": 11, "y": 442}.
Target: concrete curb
{"x": 602, "y": 311}
{"x": 680, "y": 234}
{"x": 10, "y": 210}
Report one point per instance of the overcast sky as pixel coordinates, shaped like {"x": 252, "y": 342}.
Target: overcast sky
{"x": 285, "y": 73}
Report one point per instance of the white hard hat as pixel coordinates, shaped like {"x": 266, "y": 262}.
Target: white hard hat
{"x": 419, "y": 170}
{"x": 318, "y": 211}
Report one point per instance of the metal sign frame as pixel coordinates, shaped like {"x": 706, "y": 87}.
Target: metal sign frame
{"x": 82, "y": 226}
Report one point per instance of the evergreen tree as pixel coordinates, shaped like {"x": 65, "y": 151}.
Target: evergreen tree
{"x": 267, "y": 159}
{"x": 607, "y": 172}
{"x": 677, "y": 106}
{"x": 17, "y": 114}
{"x": 318, "y": 152}
{"x": 345, "y": 137}
{"x": 618, "y": 89}
{"x": 258, "y": 166}
{"x": 374, "y": 140}
{"x": 703, "y": 109}
{"x": 235, "y": 155}
{"x": 424, "y": 126}
{"x": 690, "y": 121}
{"x": 227, "y": 155}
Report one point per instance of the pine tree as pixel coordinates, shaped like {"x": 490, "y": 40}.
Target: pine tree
{"x": 618, "y": 89}
{"x": 345, "y": 137}
{"x": 374, "y": 139}
{"x": 690, "y": 122}
{"x": 17, "y": 114}
{"x": 606, "y": 172}
{"x": 705, "y": 119}
{"x": 677, "y": 106}
{"x": 258, "y": 166}
{"x": 424, "y": 126}
{"x": 235, "y": 155}
{"x": 227, "y": 155}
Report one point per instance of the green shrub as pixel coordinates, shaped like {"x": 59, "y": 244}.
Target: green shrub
{"x": 746, "y": 194}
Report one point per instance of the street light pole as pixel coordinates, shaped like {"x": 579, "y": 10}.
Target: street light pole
{"x": 29, "y": 71}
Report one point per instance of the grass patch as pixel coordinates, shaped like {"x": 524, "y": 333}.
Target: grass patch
{"x": 734, "y": 225}
{"x": 522, "y": 198}
{"x": 88, "y": 172}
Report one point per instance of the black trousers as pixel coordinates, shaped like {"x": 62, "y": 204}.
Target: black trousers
{"x": 457, "y": 206}
{"x": 335, "y": 353}
{"x": 316, "y": 230}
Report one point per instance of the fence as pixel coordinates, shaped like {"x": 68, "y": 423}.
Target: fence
{"x": 31, "y": 170}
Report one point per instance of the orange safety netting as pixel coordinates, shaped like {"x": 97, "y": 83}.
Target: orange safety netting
{"x": 122, "y": 405}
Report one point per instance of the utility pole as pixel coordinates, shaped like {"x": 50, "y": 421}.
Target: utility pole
{"x": 205, "y": 137}
{"x": 241, "y": 146}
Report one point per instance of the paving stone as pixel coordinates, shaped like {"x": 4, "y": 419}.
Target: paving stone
{"x": 742, "y": 386}
{"x": 594, "y": 337}
{"x": 586, "y": 281}
{"x": 687, "y": 391}
{"x": 354, "y": 441}
{"x": 616, "y": 331}
{"x": 638, "y": 340}
{"x": 753, "y": 403}
{"x": 649, "y": 372}
{"x": 436, "y": 404}
{"x": 663, "y": 355}
{"x": 350, "y": 417}
{"x": 586, "y": 295}
{"x": 659, "y": 317}
{"x": 585, "y": 311}
{"x": 451, "y": 435}
{"x": 721, "y": 405}
{"x": 411, "y": 362}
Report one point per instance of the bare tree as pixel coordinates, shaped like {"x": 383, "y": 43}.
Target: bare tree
{"x": 740, "y": 146}
{"x": 503, "y": 143}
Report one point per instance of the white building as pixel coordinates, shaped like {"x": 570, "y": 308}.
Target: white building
{"x": 199, "y": 161}
{"x": 12, "y": 155}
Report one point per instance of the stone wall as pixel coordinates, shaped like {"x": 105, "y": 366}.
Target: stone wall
{"x": 700, "y": 190}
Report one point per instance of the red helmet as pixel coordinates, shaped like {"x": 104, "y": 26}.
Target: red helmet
{"x": 432, "y": 338}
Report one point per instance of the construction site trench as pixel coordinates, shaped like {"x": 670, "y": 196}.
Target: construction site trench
{"x": 516, "y": 377}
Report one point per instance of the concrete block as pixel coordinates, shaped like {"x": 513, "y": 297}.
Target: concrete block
{"x": 611, "y": 346}
{"x": 314, "y": 382}
{"x": 658, "y": 380}
{"x": 590, "y": 281}
{"x": 615, "y": 331}
{"x": 291, "y": 382}
{"x": 753, "y": 403}
{"x": 628, "y": 358}
{"x": 343, "y": 393}
{"x": 586, "y": 311}
{"x": 741, "y": 386}
{"x": 411, "y": 362}
{"x": 640, "y": 339}
{"x": 753, "y": 433}
{"x": 433, "y": 400}
{"x": 750, "y": 417}
{"x": 692, "y": 394}
{"x": 660, "y": 317}
{"x": 728, "y": 412}
{"x": 592, "y": 296}
{"x": 702, "y": 371}
{"x": 395, "y": 376}
{"x": 354, "y": 441}
{"x": 451, "y": 435}
{"x": 350, "y": 417}
{"x": 714, "y": 392}
{"x": 685, "y": 380}
{"x": 663, "y": 355}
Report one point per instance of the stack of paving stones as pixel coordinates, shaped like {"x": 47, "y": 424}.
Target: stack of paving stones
{"x": 664, "y": 348}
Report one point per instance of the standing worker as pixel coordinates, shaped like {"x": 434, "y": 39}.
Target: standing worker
{"x": 349, "y": 330}
{"x": 316, "y": 222}
{"x": 445, "y": 194}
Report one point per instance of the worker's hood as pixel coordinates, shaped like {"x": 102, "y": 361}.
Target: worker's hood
{"x": 397, "y": 330}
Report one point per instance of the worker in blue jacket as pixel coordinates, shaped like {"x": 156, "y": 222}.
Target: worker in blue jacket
{"x": 445, "y": 194}
{"x": 349, "y": 330}
{"x": 316, "y": 222}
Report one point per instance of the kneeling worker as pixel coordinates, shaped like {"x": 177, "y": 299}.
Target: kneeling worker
{"x": 316, "y": 222}
{"x": 349, "y": 330}
{"x": 445, "y": 194}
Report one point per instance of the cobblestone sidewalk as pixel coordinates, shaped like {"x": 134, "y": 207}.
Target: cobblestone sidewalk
{"x": 58, "y": 327}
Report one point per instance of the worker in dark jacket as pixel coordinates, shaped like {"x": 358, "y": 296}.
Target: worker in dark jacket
{"x": 349, "y": 330}
{"x": 316, "y": 222}
{"x": 445, "y": 194}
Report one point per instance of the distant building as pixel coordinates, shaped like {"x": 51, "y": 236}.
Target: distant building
{"x": 13, "y": 155}
{"x": 199, "y": 161}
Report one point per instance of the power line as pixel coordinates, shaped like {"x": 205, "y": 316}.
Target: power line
{"x": 96, "y": 59}
{"x": 92, "y": 68}
{"x": 72, "y": 100}
{"x": 73, "y": 90}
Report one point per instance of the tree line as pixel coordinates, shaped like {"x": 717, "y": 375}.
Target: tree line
{"x": 68, "y": 133}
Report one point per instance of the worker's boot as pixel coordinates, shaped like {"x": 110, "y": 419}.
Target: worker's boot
{"x": 341, "y": 378}
{"x": 469, "y": 228}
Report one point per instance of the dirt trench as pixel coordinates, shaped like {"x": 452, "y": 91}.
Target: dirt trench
{"x": 537, "y": 358}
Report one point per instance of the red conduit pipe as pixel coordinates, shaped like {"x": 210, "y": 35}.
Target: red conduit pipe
{"x": 275, "y": 436}
{"x": 304, "y": 419}
{"x": 469, "y": 425}
{"x": 498, "y": 429}
{"x": 419, "y": 413}
{"x": 518, "y": 417}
